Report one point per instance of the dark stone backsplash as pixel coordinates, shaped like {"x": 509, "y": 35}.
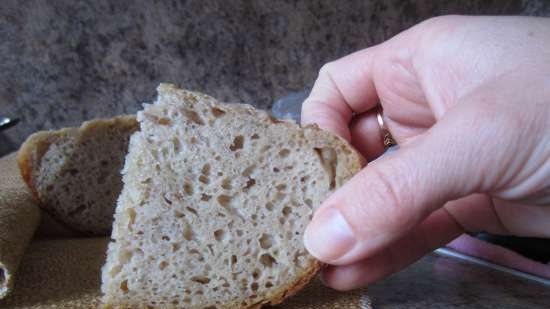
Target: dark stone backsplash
{"x": 62, "y": 62}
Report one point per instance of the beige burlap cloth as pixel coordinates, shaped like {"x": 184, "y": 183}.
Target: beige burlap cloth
{"x": 59, "y": 270}
{"x": 19, "y": 218}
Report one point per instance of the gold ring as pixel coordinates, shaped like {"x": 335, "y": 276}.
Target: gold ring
{"x": 385, "y": 134}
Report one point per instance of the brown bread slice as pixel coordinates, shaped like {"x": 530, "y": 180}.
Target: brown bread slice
{"x": 75, "y": 172}
{"x": 215, "y": 201}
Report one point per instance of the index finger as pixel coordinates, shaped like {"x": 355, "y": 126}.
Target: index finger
{"x": 343, "y": 87}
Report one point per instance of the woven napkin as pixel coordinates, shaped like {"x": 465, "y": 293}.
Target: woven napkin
{"x": 19, "y": 218}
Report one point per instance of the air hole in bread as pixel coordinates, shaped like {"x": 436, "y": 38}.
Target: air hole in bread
{"x": 268, "y": 284}
{"x": 165, "y": 238}
{"x": 276, "y": 170}
{"x": 188, "y": 188}
{"x": 217, "y": 112}
{"x": 163, "y": 265}
{"x": 283, "y": 153}
{"x": 254, "y": 136}
{"x": 280, "y": 187}
{"x": 131, "y": 217}
{"x": 187, "y": 232}
{"x": 238, "y": 143}
{"x": 266, "y": 241}
{"x": 124, "y": 286}
{"x": 220, "y": 235}
{"x": 192, "y": 210}
{"x": 249, "y": 183}
{"x": 226, "y": 184}
{"x": 256, "y": 273}
{"x": 254, "y": 286}
{"x": 286, "y": 211}
{"x": 239, "y": 233}
{"x": 175, "y": 247}
{"x": 233, "y": 259}
{"x": 224, "y": 200}
{"x": 164, "y": 121}
{"x": 267, "y": 260}
{"x": 269, "y": 206}
{"x": 204, "y": 179}
{"x": 168, "y": 201}
{"x": 205, "y": 197}
{"x": 193, "y": 116}
{"x": 200, "y": 279}
{"x": 205, "y": 169}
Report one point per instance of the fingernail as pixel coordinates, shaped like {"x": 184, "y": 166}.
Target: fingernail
{"x": 328, "y": 236}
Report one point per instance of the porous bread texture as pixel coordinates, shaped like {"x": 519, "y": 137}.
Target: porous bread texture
{"x": 215, "y": 202}
{"x": 74, "y": 173}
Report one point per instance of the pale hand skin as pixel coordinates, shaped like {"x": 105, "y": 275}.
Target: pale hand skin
{"x": 468, "y": 101}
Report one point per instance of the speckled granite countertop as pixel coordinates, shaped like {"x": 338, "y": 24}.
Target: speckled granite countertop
{"x": 62, "y": 62}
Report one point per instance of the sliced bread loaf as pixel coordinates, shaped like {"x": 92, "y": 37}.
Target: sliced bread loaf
{"x": 215, "y": 201}
{"x": 75, "y": 172}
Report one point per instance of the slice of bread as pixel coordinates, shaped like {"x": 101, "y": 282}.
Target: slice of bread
{"x": 75, "y": 172}
{"x": 215, "y": 201}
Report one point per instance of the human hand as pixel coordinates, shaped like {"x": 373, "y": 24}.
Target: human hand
{"x": 468, "y": 101}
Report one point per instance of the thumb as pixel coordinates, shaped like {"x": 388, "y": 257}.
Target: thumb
{"x": 396, "y": 192}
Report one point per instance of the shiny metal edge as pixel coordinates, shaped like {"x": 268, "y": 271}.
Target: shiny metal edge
{"x": 454, "y": 254}
{"x": 6, "y": 122}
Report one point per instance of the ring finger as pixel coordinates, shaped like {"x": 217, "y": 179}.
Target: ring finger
{"x": 366, "y": 135}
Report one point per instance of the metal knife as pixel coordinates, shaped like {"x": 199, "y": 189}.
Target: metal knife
{"x": 6, "y": 122}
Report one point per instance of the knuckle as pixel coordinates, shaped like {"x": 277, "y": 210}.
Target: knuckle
{"x": 441, "y": 21}
{"x": 326, "y": 69}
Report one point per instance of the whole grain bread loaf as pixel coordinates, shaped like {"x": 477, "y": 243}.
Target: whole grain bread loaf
{"x": 74, "y": 173}
{"x": 215, "y": 202}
